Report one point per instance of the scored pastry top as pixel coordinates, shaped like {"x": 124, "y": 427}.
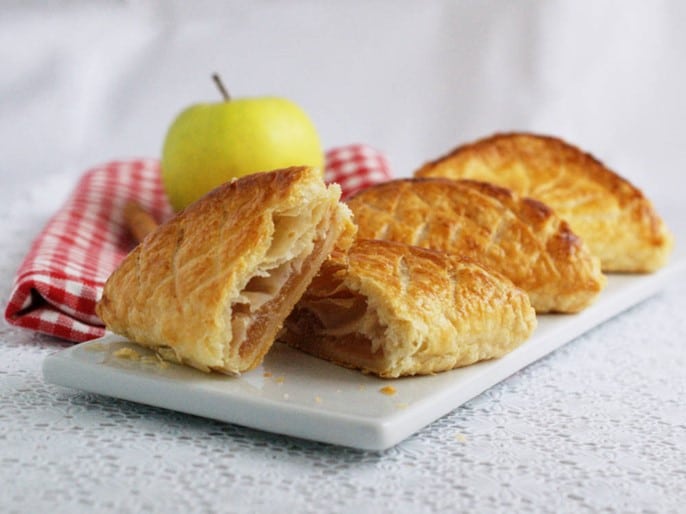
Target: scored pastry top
{"x": 519, "y": 237}
{"x": 394, "y": 310}
{"x": 616, "y": 220}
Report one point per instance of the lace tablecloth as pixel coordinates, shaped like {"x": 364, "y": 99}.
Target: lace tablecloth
{"x": 597, "y": 426}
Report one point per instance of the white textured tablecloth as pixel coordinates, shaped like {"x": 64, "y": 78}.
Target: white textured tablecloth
{"x": 598, "y": 426}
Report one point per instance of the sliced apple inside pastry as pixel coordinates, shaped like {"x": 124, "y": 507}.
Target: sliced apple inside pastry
{"x": 393, "y": 310}
{"x": 212, "y": 287}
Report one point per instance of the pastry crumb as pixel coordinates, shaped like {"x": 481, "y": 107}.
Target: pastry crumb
{"x": 267, "y": 374}
{"x": 388, "y": 390}
{"x": 460, "y": 437}
{"x": 161, "y": 363}
{"x": 168, "y": 354}
{"x": 401, "y": 405}
{"x": 318, "y": 399}
{"x": 95, "y": 347}
{"x": 280, "y": 380}
{"x": 130, "y": 354}
{"x": 154, "y": 360}
{"x": 127, "y": 353}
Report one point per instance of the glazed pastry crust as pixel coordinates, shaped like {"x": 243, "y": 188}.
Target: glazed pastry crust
{"x": 615, "y": 219}
{"x": 211, "y": 287}
{"x": 394, "y": 310}
{"x": 518, "y": 237}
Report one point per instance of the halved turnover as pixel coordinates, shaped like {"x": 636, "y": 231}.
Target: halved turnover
{"x": 212, "y": 287}
{"x": 519, "y": 237}
{"x": 392, "y": 310}
{"x": 614, "y": 218}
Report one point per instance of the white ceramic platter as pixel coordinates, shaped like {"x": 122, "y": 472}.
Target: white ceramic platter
{"x": 295, "y": 394}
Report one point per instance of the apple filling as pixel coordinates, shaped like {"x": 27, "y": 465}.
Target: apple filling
{"x": 296, "y": 247}
{"x": 344, "y": 324}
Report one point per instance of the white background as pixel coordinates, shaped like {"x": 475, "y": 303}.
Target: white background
{"x": 597, "y": 426}
{"x": 85, "y": 82}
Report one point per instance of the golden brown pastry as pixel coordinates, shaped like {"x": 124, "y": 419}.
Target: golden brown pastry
{"x": 518, "y": 237}
{"x": 393, "y": 310}
{"x": 212, "y": 287}
{"x": 617, "y": 222}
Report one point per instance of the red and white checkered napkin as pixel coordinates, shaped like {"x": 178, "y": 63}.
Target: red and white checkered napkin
{"x": 356, "y": 167}
{"x": 61, "y": 278}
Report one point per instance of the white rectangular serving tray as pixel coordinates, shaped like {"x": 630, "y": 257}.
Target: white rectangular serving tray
{"x": 298, "y": 395}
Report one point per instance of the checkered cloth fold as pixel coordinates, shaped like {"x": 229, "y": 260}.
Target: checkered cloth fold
{"x": 62, "y": 276}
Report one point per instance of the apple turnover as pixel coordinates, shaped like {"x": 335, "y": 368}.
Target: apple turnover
{"x": 393, "y": 310}
{"x": 519, "y": 237}
{"x": 212, "y": 287}
{"x": 615, "y": 219}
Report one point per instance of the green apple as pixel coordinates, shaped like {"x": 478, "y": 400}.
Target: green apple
{"x": 211, "y": 143}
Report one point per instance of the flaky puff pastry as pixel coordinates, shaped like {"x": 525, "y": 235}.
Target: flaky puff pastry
{"x": 212, "y": 287}
{"x": 614, "y": 218}
{"x": 393, "y": 310}
{"x": 518, "y": 237}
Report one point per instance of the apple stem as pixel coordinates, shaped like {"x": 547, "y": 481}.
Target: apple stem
{"x": 220, "y": 85}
